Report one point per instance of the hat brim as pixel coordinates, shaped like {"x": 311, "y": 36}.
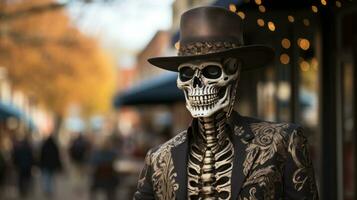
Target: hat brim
{"x": 251, "y": 56}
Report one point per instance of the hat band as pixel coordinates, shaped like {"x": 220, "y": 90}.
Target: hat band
{"x": 201, "y": 48}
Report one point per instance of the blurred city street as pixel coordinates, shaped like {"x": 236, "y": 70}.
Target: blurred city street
{"x": 73, "y": 184}
{"x": 68, "y": 186}
{"x": 80, "y": 105}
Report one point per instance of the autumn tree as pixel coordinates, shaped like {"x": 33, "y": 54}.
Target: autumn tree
{"x": 51, "y": 60}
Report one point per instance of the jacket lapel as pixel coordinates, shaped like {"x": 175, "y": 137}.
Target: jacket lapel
{"x": 179, "y": 156}
{"x": 243, "y": 160}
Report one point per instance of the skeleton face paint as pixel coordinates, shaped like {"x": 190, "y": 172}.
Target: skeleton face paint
{"x": 208, "y": 86}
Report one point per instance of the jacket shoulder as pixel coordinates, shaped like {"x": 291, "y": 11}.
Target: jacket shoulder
{"x": 262, "y": 128}
{"x": 168, "y": 145}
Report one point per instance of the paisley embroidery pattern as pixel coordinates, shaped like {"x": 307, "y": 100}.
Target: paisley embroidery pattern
{"x": 268, "y": 140}
{"x": 304, "y": 173}
{"x": 277, "y": 142}
{"x": 238, "y": 130}
{"x": 266, "y": 178}
{"x": 252, "y": 192}
{"x": 299, "y": 177}
{"x": 163, "y": 177}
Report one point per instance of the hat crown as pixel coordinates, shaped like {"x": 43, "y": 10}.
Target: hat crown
{"x": 214, "y": 32}
{"x": 210, "y": 24}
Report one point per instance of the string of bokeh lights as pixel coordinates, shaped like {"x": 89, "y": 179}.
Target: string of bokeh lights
{"x": 302, "y": 42}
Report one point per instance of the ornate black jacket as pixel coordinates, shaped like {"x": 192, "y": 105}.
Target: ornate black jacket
{"x": 271, "y": 161}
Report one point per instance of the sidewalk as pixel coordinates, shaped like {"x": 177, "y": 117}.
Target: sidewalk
{"x": 67, "y": 186}
{"x": 70, "y": 185}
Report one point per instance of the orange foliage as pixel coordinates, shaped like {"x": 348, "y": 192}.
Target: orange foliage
{"x": 52, "y": 61}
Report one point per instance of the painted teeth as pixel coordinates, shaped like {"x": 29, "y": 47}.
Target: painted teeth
{"x": 207, "y": 100}
{"x": 202, "y": 98}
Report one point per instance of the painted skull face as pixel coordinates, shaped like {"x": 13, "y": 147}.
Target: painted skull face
{"x": 209, "y": 86}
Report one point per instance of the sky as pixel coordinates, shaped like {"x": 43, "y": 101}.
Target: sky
{"x": 123, "y": 27}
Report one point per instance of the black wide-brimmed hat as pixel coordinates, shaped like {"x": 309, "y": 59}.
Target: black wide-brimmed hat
{"x": 214, "y": 32}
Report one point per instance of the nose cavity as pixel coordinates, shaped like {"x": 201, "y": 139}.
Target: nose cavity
{"x": 197, "y": 82}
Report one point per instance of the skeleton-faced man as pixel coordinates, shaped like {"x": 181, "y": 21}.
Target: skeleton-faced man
{"x": 223, "y": 155}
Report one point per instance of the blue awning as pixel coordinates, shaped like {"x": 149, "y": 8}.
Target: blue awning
{"x": 158, "y": 90}
{"x": 9, "y": 110}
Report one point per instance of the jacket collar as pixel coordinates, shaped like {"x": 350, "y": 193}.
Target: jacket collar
{"x": 241, "y": 136}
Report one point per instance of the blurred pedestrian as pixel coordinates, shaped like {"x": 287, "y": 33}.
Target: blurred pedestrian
{"x": 50, "y": 163}
{"x": 78, "y": 150}
{"x": 104, "y": 176}
{"x": 22, "y": 155}
{"x": 79, "y": 154}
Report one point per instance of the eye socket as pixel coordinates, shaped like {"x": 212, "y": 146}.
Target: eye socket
{"x": 212, "y": 71}
{"x": 231, "y": 66}
{"x": 186, "y": 73}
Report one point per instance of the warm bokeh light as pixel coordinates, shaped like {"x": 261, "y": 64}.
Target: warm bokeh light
{"x": 304, "y": 43}
{"x": 258, "y": 2}
{"x": 260, "y": 22}
{"x": 285, "y": 43}
{"x": 262, "y": 8}
{"x": 291, "y": 18}
{"x": 284, "y": 91}
{"x": 306, "y": 22}
{"x": 232, "y": 7}
{"x": 323, "y": 2}
{"x": 338, "y": 4}
{"x": 284, "y": 58}
{"x": 177, "y": 45}
{"x": 304, "y": 66}
{"x": 314, "y": 9}
{"x": 271, "y": 26}
{"x": 241, "y": 14}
